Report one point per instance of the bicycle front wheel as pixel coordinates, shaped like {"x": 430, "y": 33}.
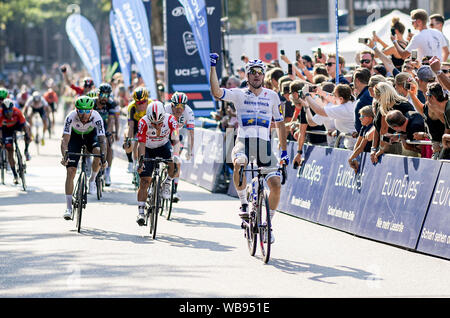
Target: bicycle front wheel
{"x": 80, "y": 199}
{"x": 99, "y": 184}
{"x": 250, "y": 227}
{"x": 264, "y": 225}
{"x": 3, "y": 164}
{"x": 156, "y": 209}
{"x": 21, "y": 169}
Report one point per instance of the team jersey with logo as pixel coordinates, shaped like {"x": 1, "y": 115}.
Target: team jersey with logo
{"x": 254, "y": 113}
{"x": 36, "y": 105}
{"x": 72, "y": 123}
{"x": 187, "y": 118}
{"x": 16, "y": 118}
{"x": 151, "y": 137}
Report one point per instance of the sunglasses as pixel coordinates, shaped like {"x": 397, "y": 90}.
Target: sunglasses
{"x": 141, "y": 102}
{"x": 445, "y": 71}
{"x": 101, "y": 95}
{"x": 330, "y": 63}
{"x": 84, "y": 111}
{"x": 364, "y": 61}
{"x": 178, "y": 105}
{"x": 254, "y": 71}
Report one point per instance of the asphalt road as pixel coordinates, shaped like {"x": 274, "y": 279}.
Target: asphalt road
{"x": 200, "y": 252}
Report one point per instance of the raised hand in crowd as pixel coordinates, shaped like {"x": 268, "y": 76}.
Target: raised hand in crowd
{"x": 435, "y": 65}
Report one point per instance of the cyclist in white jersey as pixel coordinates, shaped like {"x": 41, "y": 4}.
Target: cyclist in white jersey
{"x": 185, "y": 117}
{"x": 256, "y": 106}
{"x": 155, "y": 130}
{"x": 37, "y": 104}
{"x": 82, "y": 126}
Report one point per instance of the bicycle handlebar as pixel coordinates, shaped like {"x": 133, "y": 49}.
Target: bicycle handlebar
{"x": 263, "y": 171}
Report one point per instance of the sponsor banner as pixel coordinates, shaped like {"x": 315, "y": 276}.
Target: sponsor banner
{"x": 185, "y": 70}
{"x": 84, "y": 38}
{"x": 397, "y": 199}
{"x": 132, "y": 17}
{"x": 121, "y": 48}
{"x": 284, "y": 26}
{"x": 346, "y": 192}
{"x": 435, "y": 236}
{"x": 206, "y": 166}
{"x": 304, "y": 190}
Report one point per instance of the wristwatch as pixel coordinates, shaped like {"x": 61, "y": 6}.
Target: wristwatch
{"x": 300, "y": 151}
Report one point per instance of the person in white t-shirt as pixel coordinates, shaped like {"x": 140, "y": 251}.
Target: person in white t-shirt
{"x": 343, "y": 111}
{"x": 428, "y": 42}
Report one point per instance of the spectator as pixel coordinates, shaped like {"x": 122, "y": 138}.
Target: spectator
{"x": 275, "y": 75}
{"x": 342, "y": 111}
{"x": 428, "y": 42}
{"x": 410, "y": 123}
{"x": 361, "y": 79}
{"x": 308, "y": 62}
{"x": 445, "y": 68}
{"x": 435, "y": 65}
{"x": 367, "y": 60}
{"x": 402, "y": 84}
{"x": 242, "y": 77}
{"x": 399, "y": 28}
{"x": 424, "y": 76}
{"x": 365, "y": 136}
{"x": 318, "y": 79}
{"x": 380, "y": 70}
{"x": 437, "y": 22}
{"x": 331, "y": 69}
{"x": 439, "y": 102}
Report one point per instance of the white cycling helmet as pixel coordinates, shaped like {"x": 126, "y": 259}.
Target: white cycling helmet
{"x": 255, "y": 63}
{"x": 155, "y": 112}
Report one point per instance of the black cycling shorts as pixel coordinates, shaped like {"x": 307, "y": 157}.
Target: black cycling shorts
{"x": 164, "y": 152}
{"x": 90, "y": 140}
{"x": 8, "y": 132}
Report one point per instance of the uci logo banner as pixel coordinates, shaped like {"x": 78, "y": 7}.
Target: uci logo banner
{"x": 84, "y": 39}
{"x": 132, "y": 18}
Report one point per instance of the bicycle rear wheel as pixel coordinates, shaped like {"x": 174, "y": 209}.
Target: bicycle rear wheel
{"x": 156, "y": 207}
{"x": 80, "y": 199}
{"x": 264, "y": 226}
{"x": 21, "y": 169}
{"x": 3, "y": 164}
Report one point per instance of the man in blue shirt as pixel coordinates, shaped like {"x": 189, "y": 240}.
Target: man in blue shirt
{"x": 361, "y": 79}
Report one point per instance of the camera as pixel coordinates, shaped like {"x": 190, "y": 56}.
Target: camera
{"x": 414, "y": 55}
{"x": 319, "y": 53}
{"x": 290, "y": 69}
{"x": 297, "y": 55}
{"x": 407, "y": 86}
{"x": 363, "y": 40}
{"x": 282, "y": 52}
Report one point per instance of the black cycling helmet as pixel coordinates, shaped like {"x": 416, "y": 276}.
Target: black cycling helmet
{"x": 104, "y": 89}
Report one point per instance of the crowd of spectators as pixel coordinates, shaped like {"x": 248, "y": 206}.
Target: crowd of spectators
{"x": 396, "y": 100}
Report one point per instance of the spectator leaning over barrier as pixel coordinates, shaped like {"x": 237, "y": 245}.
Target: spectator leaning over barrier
{"x": 342, "y": 111}
{"x": 331, "y": 69}
{"x": 364, "y": 141}
{"x": 388, "y": 99}
{"x": 428, "y": 42}
{"x": 439, "y": 102}
{"x": 361, "y": 79}
{"x": 410, "y": 124}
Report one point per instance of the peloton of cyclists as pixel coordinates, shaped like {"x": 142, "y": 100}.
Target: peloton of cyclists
{"x": 155, "y": 131}
{"x": 82, "y": 126}
{"x": 12, "y": 120}
{"x": 185, "y": 117}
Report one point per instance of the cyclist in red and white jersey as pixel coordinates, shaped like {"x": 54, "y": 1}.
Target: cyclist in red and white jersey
{"x": 155, "y": 132}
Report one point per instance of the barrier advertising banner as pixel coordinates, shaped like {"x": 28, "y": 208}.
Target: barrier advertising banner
{"x": 132, "y": 17}
{"x": 435, "y": 236}
{"x": 185, "y": 70}
{"x": 121, "y": 46}
{"x": 84, "y": 39}
{"x": 397, "y": 199}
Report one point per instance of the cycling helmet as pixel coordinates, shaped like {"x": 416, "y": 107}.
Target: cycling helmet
{"x": 155, "y": 112}
{"x": 105, "y": 88}
{"x": 92, "y": 94}
{"x": 140, "y": 94}
{"x": 179, "y": 98}
{"x": 3, "y": 93}
{"x": 255, "y": 63}
{"x": 88, "y": 82}
{"x": 36, "y": 96}
{"x": 84, "y": 102}
{"x": 7, "y": 105}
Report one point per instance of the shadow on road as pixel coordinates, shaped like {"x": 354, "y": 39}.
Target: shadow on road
{"x": 179, "y": 241}
{"x": 321, "y": 272}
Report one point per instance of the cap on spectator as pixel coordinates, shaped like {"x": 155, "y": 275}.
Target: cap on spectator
{"x": 307, "y": 58}
{"x": 425, "y": 73}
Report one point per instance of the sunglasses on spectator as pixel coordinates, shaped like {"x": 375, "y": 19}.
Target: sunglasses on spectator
{"x": 445, "y": 71}
{"x": 84, "y": 111}
{"x": 255, "y": 71}
{"x": 330, "y": 63}
{"x": 364, "y": 61}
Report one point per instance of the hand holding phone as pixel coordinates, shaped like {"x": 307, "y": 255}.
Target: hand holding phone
{"x": 297, "y": 55}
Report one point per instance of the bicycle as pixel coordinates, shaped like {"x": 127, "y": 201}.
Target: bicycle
{"x": 21, "y": 165}
{"x": 100, "y": 183}
{"x": 36, "y": 124}
{"x": 259, "y": 223}
{"x": 167, "y": 203}
{"x": 136, "y": 178}
{"x": 153, "y": 203}
{"x": 79, "y": 195}
{"x": 3, "y": 162}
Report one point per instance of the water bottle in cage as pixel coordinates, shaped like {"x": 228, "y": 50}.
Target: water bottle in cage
{"x": 255, "y": 189}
